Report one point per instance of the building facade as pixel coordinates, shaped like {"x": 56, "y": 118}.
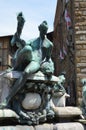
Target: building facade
{"x": 80, "y": 44}
{"x": 5, "y": 52}
{"x": 5, "y": 59}
{"x": 70, "y": 45}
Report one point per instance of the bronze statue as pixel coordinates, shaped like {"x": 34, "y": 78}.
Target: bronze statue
{"x": 30, "y": 56}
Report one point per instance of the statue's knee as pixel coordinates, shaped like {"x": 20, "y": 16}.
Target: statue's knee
{"x": 28, "y": 49}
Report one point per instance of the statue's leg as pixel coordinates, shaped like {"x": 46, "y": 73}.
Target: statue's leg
{"x": 19, "y": 84}
{"x": 25, "y": 53}
{"x": 32, "y": 67}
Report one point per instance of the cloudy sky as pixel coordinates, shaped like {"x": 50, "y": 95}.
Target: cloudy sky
{"x": 35, "y": 11}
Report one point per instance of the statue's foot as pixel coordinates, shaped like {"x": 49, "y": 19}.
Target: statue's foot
{"x": 3, "y": 104}
{"x": 50, "y": 114}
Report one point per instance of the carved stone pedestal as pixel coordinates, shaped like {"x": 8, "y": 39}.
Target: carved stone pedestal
{"x": 32, "y": 103}
{"x": 58, "y": 126}
{"x": 41, "y": 101}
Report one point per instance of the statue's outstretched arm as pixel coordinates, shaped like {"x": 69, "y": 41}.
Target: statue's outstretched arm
{"x": 20, "y": 24}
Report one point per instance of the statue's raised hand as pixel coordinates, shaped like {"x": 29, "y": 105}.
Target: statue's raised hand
{"x": 20, "y": 18}
{"x": 20, "y": 24}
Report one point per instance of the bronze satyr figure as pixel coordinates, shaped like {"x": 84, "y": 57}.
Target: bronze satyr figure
{"x": 29, "y": 57}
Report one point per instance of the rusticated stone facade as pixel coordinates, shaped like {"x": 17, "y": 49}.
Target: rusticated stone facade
{"x": 80, "y": 44}
{"x": 77, "y": 68}
{"x": 64, "y": 38}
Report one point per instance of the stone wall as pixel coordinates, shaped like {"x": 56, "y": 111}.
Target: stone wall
{"x": 80, "y": 44}
{"x": 65, "y": 38}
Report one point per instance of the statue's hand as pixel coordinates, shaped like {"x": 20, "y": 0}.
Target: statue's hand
{"x": 20, "y": 18}
{"x": 20, "y": 24}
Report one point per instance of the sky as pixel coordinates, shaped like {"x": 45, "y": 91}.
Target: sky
{"x": 34, "y": 11}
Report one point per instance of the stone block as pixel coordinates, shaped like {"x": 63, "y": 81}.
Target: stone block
{"x": 84, "y": 13}
{"x": 80, "y": 24}
{"x": 84, "y": 46}
{"x": 18, "y": 127}
{"x": 69, "y": 126}
{"x": 82, "y": 27}
{"x": 83, "y": 58}
{"x": 83, "y": 70}
{"x": 81, "y": 75}
{"x": 78, "y": 70}
{"x": 81, "y": 32}
{"x": 79, "y": 19}
{"x": 82, "y": 38}
{"x": 44, "y": 127}
{"x": 78, "y": 53}
{"x": 58, "y": 126}
{"x": 24, "y": 127}
{"x": 77, "y": 28}
{"x": 81, "y": 42}
{"x": 76, "y": 5}
{"x": 78, "y": 13}
{"x": 81, "y": 64}
{"x": 7, "y": 113}
{"x": 8, "y": 128}
{"x": 82, "y": 4}
{"x": 79, "y": 47}
{"x": 67, "y": 111}
{"x": 83, "y": 53}
{"x": 83, "y": 61}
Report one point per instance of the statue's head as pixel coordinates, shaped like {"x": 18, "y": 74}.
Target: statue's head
{"x": 43, "y": 27}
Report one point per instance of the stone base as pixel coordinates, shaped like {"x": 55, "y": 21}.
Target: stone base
{"x": 67, "y": 111}
{"x": 8, "y": 113}
{"x": 67, "y": 114}
{"x": 83, "y": 121}
{"x": 63, "y": 114}
{"x": 59, "y": 126}
{"x": 39, "y": 76}
{"x": 8, "y": 117}
{"x": 70, "y": 126}
{"x": 7, "y": 122}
